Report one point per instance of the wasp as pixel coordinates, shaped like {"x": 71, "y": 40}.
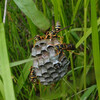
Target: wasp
{"x": 65, "y": 46}
{"x": 60, "y": 47}
{"x": 58, "y": 26}
{"x": 37, "y": 38}
{"x": 32, "y": 75}
{"x": 53, "y": 34}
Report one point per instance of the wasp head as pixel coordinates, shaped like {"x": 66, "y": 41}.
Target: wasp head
{"x": 37, "y": 37}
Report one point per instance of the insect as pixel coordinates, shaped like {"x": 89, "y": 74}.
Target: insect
{"x": 65, "y": 46}
{"x": 53, "y": 34}
{"x": 60, "y": 47}
{"x": 58, "y": 26}
{"x": 32, "y": 76}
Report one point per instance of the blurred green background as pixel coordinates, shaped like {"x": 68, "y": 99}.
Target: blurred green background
{"x": 27, "y": 18}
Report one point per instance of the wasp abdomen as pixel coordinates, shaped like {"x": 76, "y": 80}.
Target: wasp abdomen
{"x": 58, "y": 26}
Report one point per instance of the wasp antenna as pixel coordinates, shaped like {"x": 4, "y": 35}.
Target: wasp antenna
{"x": 30, "y": 39}
{"x": 64, "y": 28}
{"x": 53, "y": 23}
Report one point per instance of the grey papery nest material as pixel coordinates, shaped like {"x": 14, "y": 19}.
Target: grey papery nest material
{"x": 49, "y": 66}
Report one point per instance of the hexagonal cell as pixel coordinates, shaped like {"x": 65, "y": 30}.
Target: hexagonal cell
{"x": 43, "y": 41}
{"x": 46, "y": 75}
{"x": 45, "y": 54}
{"x": 60, "y": 69}
{"x": 57, "y": 65}
{"x": 41, "y": 66}
{"x": 62, "y": 73}
{"x": 40, "y": 61}
{"x": 37, "y": 49}
{"x": 49, "y": 79}
{"x": 53, "y": 58}
{"x": 51, "y": 51}
{"x": 40, "y": 41}
{"x": 64, "y": 62}
{"x": 51, "y": 70}
{"x": 56, "y": 79}
{"x": 50, "y": 47}
{"x": 66, "y": 66}
{"x": 46, "y": 60}
{"x": 43, "y": 46}
{"x": 35, "y": 63}
{"x": 68, "y": 62}
{"x": 43, "y": 70}
{"x": 38, "y": 72}
{"x": 48, "y": 65}
{"x": 33, "y": 52}
{"x": 54, "y": 75}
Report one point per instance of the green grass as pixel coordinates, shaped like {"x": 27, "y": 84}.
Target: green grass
{"x": 24, "y": 20}
{"x": 6, "y": 73}
{"x": 95, "y": 43}
{"x": 29, "y": 8}
{"x": 0, "y": 15}
{"x": 85, "y": 29}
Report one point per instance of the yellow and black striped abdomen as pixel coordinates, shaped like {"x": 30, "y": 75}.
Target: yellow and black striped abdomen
{"x": 58, "y": 26}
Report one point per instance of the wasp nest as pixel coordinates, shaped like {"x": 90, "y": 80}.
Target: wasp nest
{"x": 49, "y": 65}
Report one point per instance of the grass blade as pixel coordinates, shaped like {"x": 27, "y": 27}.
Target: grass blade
{"x": 85, "y": 43}
{"x": 75, "y": 10}
{"x": 89, "y": 31}
{"x": 30, "y": 10}
{"x": 23, "y": 77}
{"x": 12, "y": 64}
{"x": 2, "y": 89}
{"x": 5, "y": 68}
{"x": 88, "y": 92}
{"x": 95, "y": 44}
{"x": 44, "y": 7}
{"x": 0, "y": 15}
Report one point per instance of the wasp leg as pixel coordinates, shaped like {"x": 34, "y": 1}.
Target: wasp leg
{"x": 59, "y": 52}
{"x": 73, "y": 52}
{"x": 32, "y": 76}
{"x": 61, "y": 39}
{"x": 34, "y": 44}
{"x": 61, "y": 55}
{"x": 30, "y": 40}
{"x": 47, "y": 34}
{"x": 42, "y": 37}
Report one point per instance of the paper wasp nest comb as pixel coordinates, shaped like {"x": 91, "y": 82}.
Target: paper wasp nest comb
{"x": 49, "y": 66}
